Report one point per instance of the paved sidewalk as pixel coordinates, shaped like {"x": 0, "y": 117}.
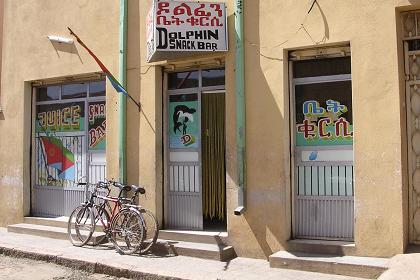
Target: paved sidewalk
{"x": 105, "y": 260}
{"x": 405, "y": 266}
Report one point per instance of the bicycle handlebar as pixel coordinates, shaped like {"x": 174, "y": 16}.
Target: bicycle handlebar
{"x": 102, "y": 185}
{"x": 105, "y": 185}
{"x": 120, "y": 186}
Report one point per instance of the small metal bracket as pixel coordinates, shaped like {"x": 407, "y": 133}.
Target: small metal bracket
{"x": 239, "y": 210}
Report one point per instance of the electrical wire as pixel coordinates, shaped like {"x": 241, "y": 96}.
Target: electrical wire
{"x": 301, "y": 27}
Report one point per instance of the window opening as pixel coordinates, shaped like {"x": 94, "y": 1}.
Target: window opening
{"x": 48, "y": 93}
{"x": 182, "y": 80}
{"x": 74, "y": 91}
{"x": 413, "y": 45}
{"x": 213, "y": 77}
{"x": 96, "y": 89}
{"x": 68, "y": 127}
{"x": 321, "y": 67}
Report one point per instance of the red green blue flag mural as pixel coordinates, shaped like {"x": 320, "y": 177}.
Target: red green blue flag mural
{"x": 59, "y": 157}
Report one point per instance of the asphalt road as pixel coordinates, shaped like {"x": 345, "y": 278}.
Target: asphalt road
{"x": 25, "y": 269}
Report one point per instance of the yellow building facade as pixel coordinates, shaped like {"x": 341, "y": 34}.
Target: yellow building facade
{"x": 314, "y": 171}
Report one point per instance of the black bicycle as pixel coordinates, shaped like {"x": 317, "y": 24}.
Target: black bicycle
{"x": 123, "y": 227}
{"x": 149, "y": 224}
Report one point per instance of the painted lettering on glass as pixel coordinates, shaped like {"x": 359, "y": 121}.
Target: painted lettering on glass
{"x": 326, "y": 124}
{"x": 61, "y": 119}
{"x": 97, "y": 125}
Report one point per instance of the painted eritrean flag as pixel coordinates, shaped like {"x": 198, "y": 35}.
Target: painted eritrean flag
{"x": 59, "y": 157}
{"x": 118, "y": 87}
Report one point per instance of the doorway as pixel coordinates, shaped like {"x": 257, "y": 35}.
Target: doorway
{"x": 213, "y": 159}
{"x": 195, "y": 175}
{"x": 411, "y": 43}
{"x": 322, "y": 146}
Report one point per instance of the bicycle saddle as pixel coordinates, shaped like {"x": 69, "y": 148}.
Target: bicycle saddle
{"x": 138, "y": 189}
{"x": 122, "y": 187}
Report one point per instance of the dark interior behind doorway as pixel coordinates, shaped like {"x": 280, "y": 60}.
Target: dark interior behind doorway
{"x": 213, "y": 160}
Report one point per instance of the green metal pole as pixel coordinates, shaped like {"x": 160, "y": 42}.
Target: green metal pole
{"x": 122, "y": 128}
{"x": 240, "y": 106}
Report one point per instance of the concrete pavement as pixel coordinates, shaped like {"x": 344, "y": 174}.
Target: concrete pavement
{"x": 105, "y": 260}
{"x": 405, "y": 266}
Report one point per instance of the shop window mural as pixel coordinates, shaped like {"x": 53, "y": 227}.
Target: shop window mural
{"x": 323, "y": 114}
{"x": 56, "y": 153}
{"x": 184, "y": 121}
{"x": 57, "y": 146}
{"x": 56, "y": 156}
{"x": 67, "y": 131}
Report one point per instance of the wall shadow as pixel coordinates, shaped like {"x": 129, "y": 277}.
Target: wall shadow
{"x": 414, "y": 2}
{"x": 267, "y": 143}
{"x": 67, "y": 48}
{"x": 149, "y": 119}
{"x": 325, "y": 22}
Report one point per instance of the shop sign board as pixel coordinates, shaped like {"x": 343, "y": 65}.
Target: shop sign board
{"x": 177, "y": 28}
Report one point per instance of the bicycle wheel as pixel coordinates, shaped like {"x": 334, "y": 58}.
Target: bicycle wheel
{"x": 151, "y": 230}
{"x": 101, "y": 220}
{"x": 127, "y": 231}
{"x": 80, "y": 225}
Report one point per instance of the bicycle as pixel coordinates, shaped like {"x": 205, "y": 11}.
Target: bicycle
{"x": 80, "y": 224}
{"x": 121, "y": 228}
{"x": 149, "y": 224}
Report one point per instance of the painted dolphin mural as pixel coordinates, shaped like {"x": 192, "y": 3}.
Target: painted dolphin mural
{"x": 182, "y": 115}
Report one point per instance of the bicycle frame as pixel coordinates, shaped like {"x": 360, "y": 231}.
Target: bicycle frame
{"x": 113, "y": 211}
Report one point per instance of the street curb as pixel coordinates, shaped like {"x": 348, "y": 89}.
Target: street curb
{"x": 91, "y": 267}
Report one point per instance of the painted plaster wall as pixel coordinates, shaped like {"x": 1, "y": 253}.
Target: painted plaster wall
{"x": 28, "y": 55}
{"x": 144, "y": 129}
{"x": 371, "y": 29}
{"x": 272, "y": 28}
